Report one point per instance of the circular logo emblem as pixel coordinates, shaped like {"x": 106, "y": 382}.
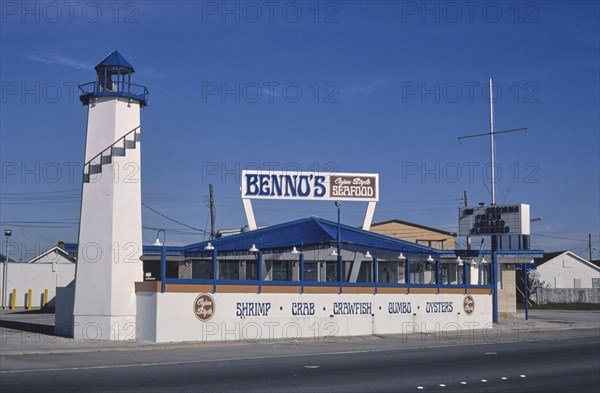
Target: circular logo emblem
{"x": 469, "y": 305}
{"x": 204, "y": 307}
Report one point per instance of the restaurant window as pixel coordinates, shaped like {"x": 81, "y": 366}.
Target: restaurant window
{"x": 201, "y": 269}
{"x": 460, "y": 273}
{"x": 365, "y": 274}
{"x": 485, "y": 273}
{"x": 444, "y": 273}
{"x": 331, "y": 271}
{"x": 439, "y": 244}
{"x": 282, "y": 270}
{"x": 417, "y": 275}
{"x": 311, "y": 271}
{"x": 251, "y": 270}
{"x": 387, "y": 272}
{"x": 229, "y": 270}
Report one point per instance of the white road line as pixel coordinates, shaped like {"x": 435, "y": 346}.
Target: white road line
{"x": 442, "y": 385}
{"x": 504, "y": 378}
{"x": 463, "y": 383}
{"x": 522, "y": 375}
{"x": 484, "y": 380}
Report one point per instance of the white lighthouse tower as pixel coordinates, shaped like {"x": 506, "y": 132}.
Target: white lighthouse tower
{"x": 110, "y": 230}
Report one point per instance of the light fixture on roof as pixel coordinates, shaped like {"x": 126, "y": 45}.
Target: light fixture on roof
{"x": 295, "y": 250}
{"x": 532, "y": 261}
{"x": 473, "y": 262}
{"x": 253, "y": 248}
{"x": 333, "y": 253}
{"x": 459, "y": 260}
{"x": 401, "y": 257}
{"x": 209, "y": 247}
{"x": 157, "y": 243}
{"x": 484, "y": 261}
{"x": 368, "y": 255}
{"x": 430, "y": 259}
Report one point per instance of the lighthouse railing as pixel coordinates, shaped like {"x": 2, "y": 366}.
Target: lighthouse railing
{"x": 111, "y": 88}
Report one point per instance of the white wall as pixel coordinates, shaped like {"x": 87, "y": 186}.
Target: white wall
{"x": 37, "y": 277}
{"x": 170, "y": 317}
{"x": 563, "y": 270}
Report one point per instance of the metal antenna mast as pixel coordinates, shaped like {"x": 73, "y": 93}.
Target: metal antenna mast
{"x": 492, "y": 149}
{"x": 493, "y": 156}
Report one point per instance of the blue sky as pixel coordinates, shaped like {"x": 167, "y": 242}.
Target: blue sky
{"x": 383, "y": 87}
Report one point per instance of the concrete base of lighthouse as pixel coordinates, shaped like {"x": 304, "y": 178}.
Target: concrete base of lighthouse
{"x": 104, "y": 327}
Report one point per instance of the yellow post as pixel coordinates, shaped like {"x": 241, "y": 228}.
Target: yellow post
{"x": 29, "y": 299}
{"x": 45, "y": 298}
{"x": 13, "y": 303}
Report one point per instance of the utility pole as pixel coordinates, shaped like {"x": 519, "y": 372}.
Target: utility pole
{"x": 212, "y": 212}
{"x": 466, "y": 198}
{"x": 590, "y": 246}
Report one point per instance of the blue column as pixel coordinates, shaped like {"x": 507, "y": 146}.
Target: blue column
{"x": 302, "y": 272}
{"x": 260, "y": 271}
{"x": 214, "y": 270}
{"x": 494, "y": 275}
{"x": 340, "y": 270}
{"x": 375, "y": 272}
{"x": 407, "y": 274}
{"x": 526, "y": 292}
{"x": 438, "y": 277}
{"x": 466, "y": 273}
{"x": 494, "y": 278}
{"x": 163, "y": 268}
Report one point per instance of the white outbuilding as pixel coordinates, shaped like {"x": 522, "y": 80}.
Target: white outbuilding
{"x": 565, "y": 269}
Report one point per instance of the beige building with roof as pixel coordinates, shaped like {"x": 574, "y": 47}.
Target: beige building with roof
{"x": 416, "y": 233}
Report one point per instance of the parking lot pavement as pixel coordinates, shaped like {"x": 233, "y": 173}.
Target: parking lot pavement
{"x": 30, "y": 332}
{"x": 565, "y": 318}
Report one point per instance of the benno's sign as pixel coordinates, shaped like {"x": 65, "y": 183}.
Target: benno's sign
{"x": 310, "y": 185}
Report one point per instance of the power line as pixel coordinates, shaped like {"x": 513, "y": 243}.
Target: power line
{"x": 564, "y": 238}
{"x": 78, "y": 191}
{"x": 172, "y": 219}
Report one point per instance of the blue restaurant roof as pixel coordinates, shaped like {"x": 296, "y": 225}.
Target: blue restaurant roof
{"x": 310, "y": 231}
{"x": 314, "y": 231}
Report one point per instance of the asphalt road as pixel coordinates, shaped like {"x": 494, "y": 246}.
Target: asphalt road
{"x": 549, "y": 363}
